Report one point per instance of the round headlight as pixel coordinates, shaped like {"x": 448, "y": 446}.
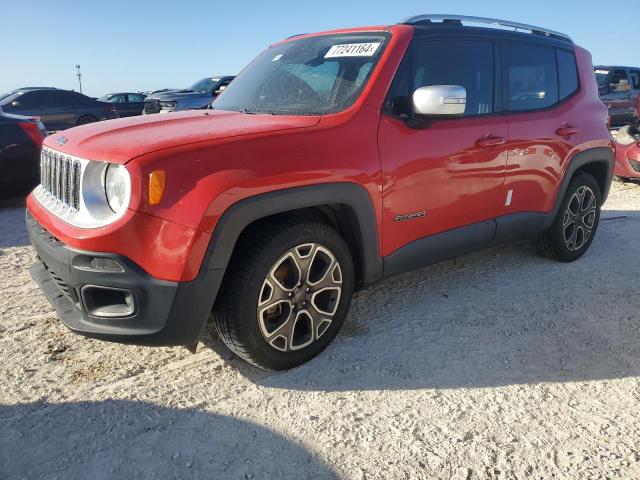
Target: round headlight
{"x": 117, "y": 187}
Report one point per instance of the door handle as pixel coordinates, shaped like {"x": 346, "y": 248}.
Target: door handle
{"x": 490, "y": 141}
{"x": 567, "y": 131}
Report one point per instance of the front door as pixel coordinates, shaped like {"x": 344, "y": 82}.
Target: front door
{"x": 446, "y": 173}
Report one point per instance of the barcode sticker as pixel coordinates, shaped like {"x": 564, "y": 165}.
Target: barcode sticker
{"x": 353, "y": 50}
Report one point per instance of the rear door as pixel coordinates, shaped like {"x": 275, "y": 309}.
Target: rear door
{"x": 447, "y": 173}
{"x": 544, "y": 123}
{"x": 64, "y": 109}
{"x": 135, "y": 104}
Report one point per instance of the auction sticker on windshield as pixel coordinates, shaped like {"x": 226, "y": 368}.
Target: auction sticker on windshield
{"x": 353, "y": 50}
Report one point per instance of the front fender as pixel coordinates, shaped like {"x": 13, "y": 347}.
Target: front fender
{"x": 237, "y": 217}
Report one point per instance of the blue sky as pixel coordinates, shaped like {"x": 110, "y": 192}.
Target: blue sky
{"x": 143, "y": 45}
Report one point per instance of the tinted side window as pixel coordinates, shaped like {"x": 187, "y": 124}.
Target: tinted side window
{"x": 63, "y": 99}
{"x": 34, "y": 99}
{"x": 619, "y": 81}
{"x": 457, "y": 62}
{"x": 134, "y": 97}
{"x": 531, "y": 77}
{"x": 469, "y": 64}
{"x": 567, "y": 73}
{"x": 635, "y": 79}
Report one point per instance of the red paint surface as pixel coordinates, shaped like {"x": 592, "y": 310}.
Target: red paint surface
{"x": 624, "y": 153}
{"x": 215, "y": 159}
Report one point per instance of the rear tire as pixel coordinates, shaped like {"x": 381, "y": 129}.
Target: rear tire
{"x": 286, "y": 293}
{"x": 84, "y": 119}
{"x": 571, "y": 233}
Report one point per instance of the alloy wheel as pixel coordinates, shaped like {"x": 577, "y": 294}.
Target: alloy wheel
{"x": 579, "y": 218}
{"x": 299, "y": 297}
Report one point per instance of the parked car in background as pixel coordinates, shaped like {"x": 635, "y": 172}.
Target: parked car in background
{"x": 126, "y": 104}
{"x": 20, "y": 142}
{"x": 628, "y": 148}
{"x": 58, "y": 109}
{"x": 334, "y": 160}
{"x": 619, "y": 87}
{"x": 198, "y": 95}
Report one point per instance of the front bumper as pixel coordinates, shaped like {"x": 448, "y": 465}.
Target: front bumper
{"x": 124, "y": 305}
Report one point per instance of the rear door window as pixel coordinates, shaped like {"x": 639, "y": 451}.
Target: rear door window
{"x": 67, "y": 99}
{"x": 531, "y": 77}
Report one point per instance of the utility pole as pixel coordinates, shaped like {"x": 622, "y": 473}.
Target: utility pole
{"x": 79, "y": 77}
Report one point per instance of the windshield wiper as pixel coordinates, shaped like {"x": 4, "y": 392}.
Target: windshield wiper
{"x": 255, "y": 112}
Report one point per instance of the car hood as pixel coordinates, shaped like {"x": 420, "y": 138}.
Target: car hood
{"x": 178, "y": 95}
{"x": 121, "y": 140}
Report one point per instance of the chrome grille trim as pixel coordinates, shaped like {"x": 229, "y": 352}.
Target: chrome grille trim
{"x": 72, "y": 189}
{"x": 60, "y": 177}
{"x": 61, "y": 186}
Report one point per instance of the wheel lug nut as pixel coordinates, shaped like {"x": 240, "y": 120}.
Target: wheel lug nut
{"x": 308, "y": 289}
{"x": 290, "y": 294}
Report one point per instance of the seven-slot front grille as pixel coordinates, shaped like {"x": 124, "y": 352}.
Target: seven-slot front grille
{"x": 60, "y": 176}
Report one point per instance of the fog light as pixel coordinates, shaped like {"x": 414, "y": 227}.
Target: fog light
{"x": 108, "y": 302}
{"x": 105, "y": 264}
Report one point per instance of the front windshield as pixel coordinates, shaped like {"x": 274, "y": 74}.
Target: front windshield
{"x": 106, "y": 98}
{"x": 310, "y": 76}
{"x": 601, "y": 77}
{"x": 205, "y": 85}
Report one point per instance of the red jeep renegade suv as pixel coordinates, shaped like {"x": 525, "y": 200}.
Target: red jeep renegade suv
{"x": 332, "y": 161}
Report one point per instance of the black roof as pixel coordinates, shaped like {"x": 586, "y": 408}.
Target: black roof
{"x": 439, "y": 28}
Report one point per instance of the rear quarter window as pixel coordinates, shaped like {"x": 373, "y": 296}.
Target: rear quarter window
{"x": 567, "y": 73}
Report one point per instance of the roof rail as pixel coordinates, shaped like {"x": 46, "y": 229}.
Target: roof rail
{"x": 458, "y": 19}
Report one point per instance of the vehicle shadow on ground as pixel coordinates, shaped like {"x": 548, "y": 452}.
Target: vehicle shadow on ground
{"x": 499, "y": 317}
{"x": 13, "y": 232}
{"x": 138, "y": 440}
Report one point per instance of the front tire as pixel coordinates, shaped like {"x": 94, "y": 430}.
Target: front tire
{"x": 286, "y": 293}
{"x": 571, "y": 233}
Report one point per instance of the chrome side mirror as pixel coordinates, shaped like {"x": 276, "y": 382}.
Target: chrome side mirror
{"x": 439, "y": 100}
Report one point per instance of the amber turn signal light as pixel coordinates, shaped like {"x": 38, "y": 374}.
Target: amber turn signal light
{"x": 156, "y": 186}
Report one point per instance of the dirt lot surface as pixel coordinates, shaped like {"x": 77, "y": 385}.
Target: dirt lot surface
{"x": 498, "y": 365}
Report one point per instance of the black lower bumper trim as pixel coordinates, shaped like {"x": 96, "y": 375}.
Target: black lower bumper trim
{"x": 166, "y": 313}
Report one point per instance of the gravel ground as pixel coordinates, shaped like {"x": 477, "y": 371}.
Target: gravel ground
{"x": 497, "y": 365}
